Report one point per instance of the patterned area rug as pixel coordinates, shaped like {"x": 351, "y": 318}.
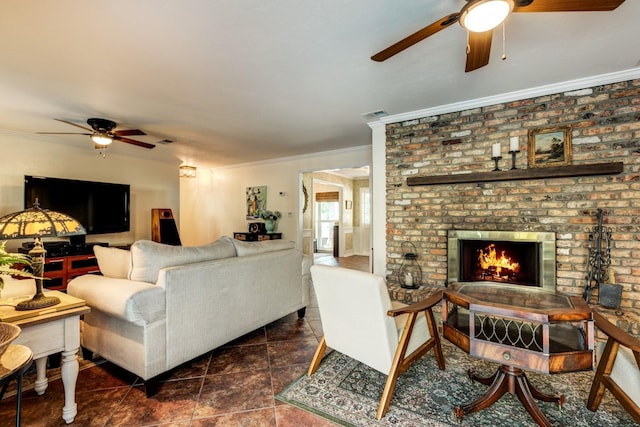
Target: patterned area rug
{"x": 347, "y": 393}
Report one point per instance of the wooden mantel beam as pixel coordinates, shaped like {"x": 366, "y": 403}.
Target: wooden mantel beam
{"x": 519, "y": 174}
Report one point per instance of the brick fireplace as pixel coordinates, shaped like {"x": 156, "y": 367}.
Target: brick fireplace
{"x": 605, "y": 127}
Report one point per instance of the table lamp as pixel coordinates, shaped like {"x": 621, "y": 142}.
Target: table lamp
{"x": 36, "y": 222}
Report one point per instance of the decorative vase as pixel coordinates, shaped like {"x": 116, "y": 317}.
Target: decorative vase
{"x": 269, "y": 225}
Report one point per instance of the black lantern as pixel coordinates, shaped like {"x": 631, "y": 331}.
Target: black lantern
{"x": 410, "y": 273}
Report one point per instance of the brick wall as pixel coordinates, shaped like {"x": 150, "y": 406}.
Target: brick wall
{"x": 605, "y": 123}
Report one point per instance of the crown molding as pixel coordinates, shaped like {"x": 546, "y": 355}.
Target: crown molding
{"x": 298, "y": 157}
{"x": 570, "y": 85}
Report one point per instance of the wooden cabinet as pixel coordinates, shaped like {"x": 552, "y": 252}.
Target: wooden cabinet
{"x": 255, "y": 237}
{"x": 60, "y": 270}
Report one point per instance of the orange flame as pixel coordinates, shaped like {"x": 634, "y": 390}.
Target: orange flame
{"x": 489, "y": 258}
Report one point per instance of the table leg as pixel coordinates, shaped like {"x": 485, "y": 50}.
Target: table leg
{"x": 482, "y": 380}
{"x": 19, "y": 400}
{"x": 69, "y": 370}
{"x": 42, "y": 382}
{"x": 525, "y": 396}
{"x": 499, "y": 386}
{"x": 542, "y": 396}
{"x": 514, "y": 381}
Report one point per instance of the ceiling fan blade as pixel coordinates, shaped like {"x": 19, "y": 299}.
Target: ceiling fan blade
{"x": 133, "y": 142}
{"x": 416, "y": 37}
{"x": 128, "y": 132}
{"x": 569, "y": 6}
{"x": 62, "y": 133}
{"x": 478, "y": 50}
{"x": 74, "y": 124}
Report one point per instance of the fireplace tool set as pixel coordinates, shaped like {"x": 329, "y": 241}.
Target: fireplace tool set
{"x": 598, "y": 266}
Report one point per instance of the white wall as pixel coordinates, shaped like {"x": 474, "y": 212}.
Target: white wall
{"x": 153, "y": 184}
{"x": 213, "y": 204}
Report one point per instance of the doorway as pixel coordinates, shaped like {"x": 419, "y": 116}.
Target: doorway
{"x": 334, "y": 219}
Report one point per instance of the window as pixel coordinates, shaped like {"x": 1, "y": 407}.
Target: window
{"x": 365, "y": 207}
{"x": 327, "y": 214}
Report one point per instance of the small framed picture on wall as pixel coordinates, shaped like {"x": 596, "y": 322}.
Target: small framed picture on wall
{"x": 256, "y": 198}
{"x": 550, "y": 146}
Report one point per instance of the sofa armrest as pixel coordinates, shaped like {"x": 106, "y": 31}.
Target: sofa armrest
{"x": 140, "y": 303}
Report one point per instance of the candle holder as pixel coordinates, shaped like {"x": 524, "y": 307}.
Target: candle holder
{"x": 513, "y": 158}
{"x": 410, "y": 273}
{"x": 496, "y": 159}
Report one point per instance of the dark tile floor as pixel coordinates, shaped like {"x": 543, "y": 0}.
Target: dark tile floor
{"x": 231, "y": 386}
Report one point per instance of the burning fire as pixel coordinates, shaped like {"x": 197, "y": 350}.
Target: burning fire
{"x": 489, "y": 258}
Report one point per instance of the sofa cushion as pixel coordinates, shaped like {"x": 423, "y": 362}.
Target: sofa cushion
{"x": 148, "y": 258}
{"x": 254, "y": 248}
{"x": 113, "y": 262}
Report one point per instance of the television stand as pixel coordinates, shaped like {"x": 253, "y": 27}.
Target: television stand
{"x": 60, "y": 269}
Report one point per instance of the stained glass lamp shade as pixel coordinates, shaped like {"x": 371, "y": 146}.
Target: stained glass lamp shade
{"x": 38, "y": 223}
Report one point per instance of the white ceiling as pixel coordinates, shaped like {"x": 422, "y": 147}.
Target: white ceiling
{"x": 247, "y": 80}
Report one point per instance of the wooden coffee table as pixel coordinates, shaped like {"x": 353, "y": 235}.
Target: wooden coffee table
{"x": 49, "y": 331}
{"x": 521, "y": 328}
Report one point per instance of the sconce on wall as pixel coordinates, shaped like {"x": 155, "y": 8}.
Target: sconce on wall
{"x": 187, "y": 171}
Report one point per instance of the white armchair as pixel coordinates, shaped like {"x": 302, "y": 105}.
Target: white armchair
{"x": 360, "y": 321}
{"x": 618, "y": 369}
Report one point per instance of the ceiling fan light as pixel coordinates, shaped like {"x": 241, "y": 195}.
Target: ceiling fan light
{"x": 101, "y": 139}
{"x": 479, "y": 16}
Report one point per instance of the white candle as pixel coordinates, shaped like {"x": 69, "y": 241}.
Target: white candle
{"x": 408, "y": 279}
{"x": 496, "y": 150}
{"x": 513, "y": 143}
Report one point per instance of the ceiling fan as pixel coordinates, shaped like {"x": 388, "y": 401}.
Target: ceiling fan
{"x": 480, "y": 17}
{"x": 102, "y": 133}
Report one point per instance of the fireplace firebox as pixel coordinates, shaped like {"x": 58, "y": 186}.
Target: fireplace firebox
{"x": 521, "y": 258}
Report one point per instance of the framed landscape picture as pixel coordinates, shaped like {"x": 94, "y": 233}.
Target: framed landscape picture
{"x": 550, "y": 146}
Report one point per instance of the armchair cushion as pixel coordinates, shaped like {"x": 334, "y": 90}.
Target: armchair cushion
{"x": 148, "y": 258}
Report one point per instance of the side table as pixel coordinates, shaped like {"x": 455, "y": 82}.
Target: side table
{"x": 13, "y": 364}
{"x": 255, "y": 237}
{"x": 49, "y": 331}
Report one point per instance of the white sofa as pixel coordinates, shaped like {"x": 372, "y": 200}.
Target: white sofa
{"x": 158, "y": 306}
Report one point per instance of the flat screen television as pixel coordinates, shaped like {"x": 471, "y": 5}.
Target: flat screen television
{"x": 100, "y": 207}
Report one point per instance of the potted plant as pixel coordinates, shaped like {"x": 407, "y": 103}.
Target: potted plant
{"x": 270, "y": 219}
{"x": 8, "y": 261}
